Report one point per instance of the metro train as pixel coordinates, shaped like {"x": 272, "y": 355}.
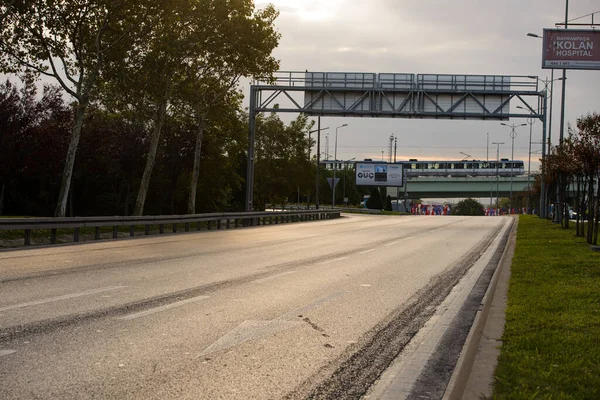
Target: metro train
{"x": 505, "y": 168}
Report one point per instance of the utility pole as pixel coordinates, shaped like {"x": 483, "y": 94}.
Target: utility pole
{"x": 395, "y": 148}
{"x": 390, "y": 151}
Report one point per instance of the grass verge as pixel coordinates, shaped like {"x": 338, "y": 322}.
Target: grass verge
{"x": 551, "y": 342}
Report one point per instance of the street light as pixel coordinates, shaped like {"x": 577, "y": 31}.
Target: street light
{"x": 513, "y": 135}
{"x": 335, "y": 165}
{"x": 530, "y": 121}
{"x": 497, "y": 176}
{"x": 346, "y": 173}
{"x": 318, "y": 130}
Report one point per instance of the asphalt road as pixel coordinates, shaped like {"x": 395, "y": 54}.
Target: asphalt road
{"x": 306, "y": 310}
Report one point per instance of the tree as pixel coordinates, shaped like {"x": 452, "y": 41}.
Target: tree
{"x": 229, "y": 40}
{"x": 374, "y": 200}
{"x": 282, "y": 164}
{"x": 468, "y": 207}
{"x": 69, "y": 41}
{"x": 388, "y": 203}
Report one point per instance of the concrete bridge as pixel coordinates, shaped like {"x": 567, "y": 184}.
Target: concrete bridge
{"x": 443, "y": 187}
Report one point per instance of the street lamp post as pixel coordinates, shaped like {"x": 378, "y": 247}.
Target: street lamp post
{"x": 335, "y": 166}
{"x": 318, "y": 130}
{"x": 513, "y": 135}
{"x": 497, "y": 175}
{"x": 530, "y": 121}
{"x": 346, "y": 173}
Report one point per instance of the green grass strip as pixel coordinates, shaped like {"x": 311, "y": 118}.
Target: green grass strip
{"x": 551, "y": 342}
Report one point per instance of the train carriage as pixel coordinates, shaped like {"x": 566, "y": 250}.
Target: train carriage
{"x": 464, "y": 168}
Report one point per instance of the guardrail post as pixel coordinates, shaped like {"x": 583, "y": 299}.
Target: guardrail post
{"x": 131, "y": 230}
{"x": 227, "y": 223}
{"x": 146, "y": 230}
{"x": 76, "y": 235}
{"x": 53, "y": 235}
{"x": 209, "y": 225}
{"x": 161, "y": 228}
{"x": 198, "y": 225}
{"x": 115, "y": 232}
{"x": 27, "y": 237}
{"x": 218, "y": 224}
{"x": 97, "y": 233}
{"x": 187, "y": 226}
{"x": 174, "y": 228}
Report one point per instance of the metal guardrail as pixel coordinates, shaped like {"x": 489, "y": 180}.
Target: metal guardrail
{"x": 220, "y": 220}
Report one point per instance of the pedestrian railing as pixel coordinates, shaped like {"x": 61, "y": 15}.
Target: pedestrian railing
{"x": 197, "y": 221}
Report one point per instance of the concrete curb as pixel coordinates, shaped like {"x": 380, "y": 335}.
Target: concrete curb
{"x": 466, "y": 362}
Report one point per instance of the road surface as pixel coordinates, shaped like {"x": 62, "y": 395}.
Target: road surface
{"x": 306, "y": 310}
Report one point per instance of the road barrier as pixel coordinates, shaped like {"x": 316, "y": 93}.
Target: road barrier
{"x": 216, "y": 220}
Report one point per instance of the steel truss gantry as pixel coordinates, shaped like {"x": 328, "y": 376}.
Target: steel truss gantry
{"x": 426, "y": 96}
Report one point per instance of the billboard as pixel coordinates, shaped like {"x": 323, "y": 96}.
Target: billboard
{"x": 378, "y": 174}
{"x": 571, "y": 49}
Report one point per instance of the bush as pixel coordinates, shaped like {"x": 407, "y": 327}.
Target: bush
{"x": 374, "y": 201}
{"x": 469, "y": 207}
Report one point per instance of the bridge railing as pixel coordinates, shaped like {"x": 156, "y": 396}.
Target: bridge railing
{"x": 208, "y": 221}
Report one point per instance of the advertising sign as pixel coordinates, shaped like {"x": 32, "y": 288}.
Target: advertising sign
{"x": 571, "y": 49}
{"x": 378, "y": 174}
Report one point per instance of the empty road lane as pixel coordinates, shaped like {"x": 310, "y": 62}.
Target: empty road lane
{"x": 308, "y": 310}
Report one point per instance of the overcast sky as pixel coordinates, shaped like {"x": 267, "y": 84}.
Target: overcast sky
{"x": 479, "y": 37}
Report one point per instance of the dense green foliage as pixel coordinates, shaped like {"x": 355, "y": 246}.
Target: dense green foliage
{"x": 374, "y": 201}
{"x": 35, "y": 134}
{"x": 147, "y": 68}
{"x": 550, "y": 343}
{"x": 468, "y": 207}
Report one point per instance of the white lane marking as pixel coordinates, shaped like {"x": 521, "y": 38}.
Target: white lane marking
{"x": 335, "y": 260}
{"x": 253, "y": 330}
{"x": 311, "y": 306}
{"x": 408, "y": 238}
{"x": 6, "y": 352}
{"x": 391, "y": 244}
{"x": 365, "y": 285}
{"x": 59, "y": 298}
{"x": 163, "y": 308}
{"x": 268, "y": 278}
{"x": 248, "y": 331}
{"x": 366, "y": 251}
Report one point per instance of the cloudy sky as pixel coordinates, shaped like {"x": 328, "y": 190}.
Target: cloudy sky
{"x": 479, "y": 37}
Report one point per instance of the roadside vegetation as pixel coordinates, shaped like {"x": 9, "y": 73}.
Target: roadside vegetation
{"x": 550, "y": 344}
{"x": 468, "y": 207}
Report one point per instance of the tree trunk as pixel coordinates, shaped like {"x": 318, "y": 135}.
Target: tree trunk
{"x": 61, "y": 206}
{"x": 143, "y": 192}
{"x": 196, "y": 169}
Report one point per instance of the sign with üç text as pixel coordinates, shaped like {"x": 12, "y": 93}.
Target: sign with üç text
{"x": 378, "y": 174}
{"x": 571, "y": 49}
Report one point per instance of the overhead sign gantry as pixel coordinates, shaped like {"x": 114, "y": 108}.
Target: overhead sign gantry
{"x": 393, "y": 95}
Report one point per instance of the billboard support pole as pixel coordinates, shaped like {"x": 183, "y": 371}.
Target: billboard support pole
{"x": 560, "y": 206}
